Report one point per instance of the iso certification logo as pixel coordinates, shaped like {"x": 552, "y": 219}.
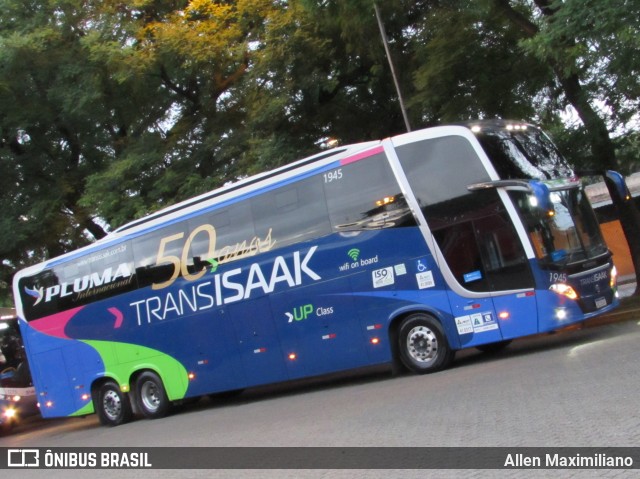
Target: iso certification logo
{"x": 23, "y": 458}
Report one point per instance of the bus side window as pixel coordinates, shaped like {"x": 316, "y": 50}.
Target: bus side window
{"x": 473, "y": 230}
{"x": 227, "y": 234}
{"x": 156, "y": 254}
{"x": 292, "y": 213}
{"x": 459, "y": 247}
{"x": 365, "y": 196}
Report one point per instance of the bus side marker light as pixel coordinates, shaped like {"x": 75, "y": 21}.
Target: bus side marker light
{"x": 293, "y": 356}
{"x": 528, "y": 294}
{"x": 561, "y": 314}
{"x": 375, "y": 340}
{"x": 504, "y": 315}
{"x": 85, "y": 397}
{"x": 49, "y": 404}
{"x": 191, "y": 376}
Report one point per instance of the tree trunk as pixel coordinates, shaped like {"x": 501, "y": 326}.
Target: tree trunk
{"x": 602, "y": 147}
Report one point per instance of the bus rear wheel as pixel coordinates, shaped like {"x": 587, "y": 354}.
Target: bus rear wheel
{"x": 151, "y": 397}
{"x": 112, "y": 405}
{"x": 423, "y": 346}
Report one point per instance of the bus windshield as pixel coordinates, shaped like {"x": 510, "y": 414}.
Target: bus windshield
{"x": 10, "y": 346}
{"x": 521, "y": 151}
{"x": 14, "y": 370}
{"x": 568, "y": 234}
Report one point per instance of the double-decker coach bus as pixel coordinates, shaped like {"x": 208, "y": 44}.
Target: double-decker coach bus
{"x": 396, "y": 251}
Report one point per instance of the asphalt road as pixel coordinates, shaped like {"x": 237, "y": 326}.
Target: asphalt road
{"x": 571, "y": 388}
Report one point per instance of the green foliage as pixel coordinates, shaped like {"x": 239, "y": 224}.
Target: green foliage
{"x": 599, "y": 40}
{"x": 469, "y": 65}
{"x": 628, "y": 151}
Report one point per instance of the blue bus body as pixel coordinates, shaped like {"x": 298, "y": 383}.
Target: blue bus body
{"x": 330, "y": 264}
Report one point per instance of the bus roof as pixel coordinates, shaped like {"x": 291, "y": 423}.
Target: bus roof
{"x": 244, "y": 186}
{"x": 235, "y": 190}
{"x": 211, "y": 198}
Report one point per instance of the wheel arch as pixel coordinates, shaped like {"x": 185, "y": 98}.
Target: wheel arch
{"x": 399, "y": 315}
{"x": 99, "y": 381}
{"x": 173, "y": 375}
{"x": 123, "y": 362}
{"x": 96, "y": 387}
{"x": 395, "y": 320}
{"x": 127, "y": 381}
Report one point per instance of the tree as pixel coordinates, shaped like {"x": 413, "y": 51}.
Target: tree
{"x": 592, "y": 48}
{"x": 571, "y": 35}
{"x": 113, "y": 109}
{"x": 56, "y": 108}
{"x": 468, "y": 64}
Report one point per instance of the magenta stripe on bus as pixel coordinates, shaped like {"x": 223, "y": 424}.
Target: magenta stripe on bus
{"x": 362, "y": 155}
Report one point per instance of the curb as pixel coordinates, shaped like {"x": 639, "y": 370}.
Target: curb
{"x": 629, "y": 309}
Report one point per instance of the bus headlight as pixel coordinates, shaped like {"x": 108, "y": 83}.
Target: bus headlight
{"x": 564, "y": 290}
{"x": 614, "y": 277}
{"x": 9, "y": 413}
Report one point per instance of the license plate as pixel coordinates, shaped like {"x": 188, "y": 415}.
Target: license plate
{"x": 601, "y": 302}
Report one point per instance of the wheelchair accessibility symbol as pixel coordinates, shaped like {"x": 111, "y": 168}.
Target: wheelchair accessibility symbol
{"x": 421, "y": 266}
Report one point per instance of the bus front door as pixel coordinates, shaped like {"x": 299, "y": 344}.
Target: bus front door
{"x": 491, "y": 292}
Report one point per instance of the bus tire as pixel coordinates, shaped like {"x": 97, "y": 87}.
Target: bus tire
{"x": 422, "y": 344}
{"x": 112, "y": 405}
{"x": 151, "y": 397}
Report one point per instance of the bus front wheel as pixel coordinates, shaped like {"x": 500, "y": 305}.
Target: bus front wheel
{"x": 112, "y": 405}
{"x": 151, "y": 397}
{"x": 423, "y": 346}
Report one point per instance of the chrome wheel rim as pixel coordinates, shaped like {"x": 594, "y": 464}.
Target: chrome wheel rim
{"x": 422, "y": 345}
{"x": 150, "y": 396}
{"x": 112, "y": 405}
